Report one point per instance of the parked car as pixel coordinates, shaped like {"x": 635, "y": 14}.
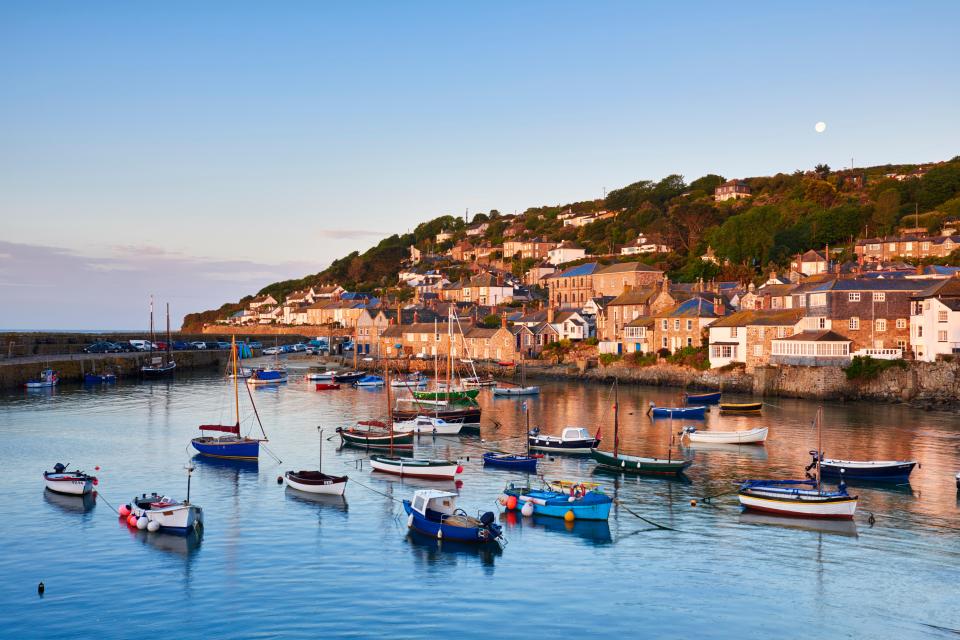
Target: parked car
{"x": 299, "y": 347}
{"x": 255, "y": 345}
{"x": 162, "y": 346}
{"x": 271, "y": 351}
{"x": 124, "y": 347}
{"x": 212, "y": 344}
{"x": 101, "y": 347}
{"x": 140, "y": 345}
{"x": 199, "y": 344}
{"x": 180, "y": 345}
{"x": 223, "y": 345}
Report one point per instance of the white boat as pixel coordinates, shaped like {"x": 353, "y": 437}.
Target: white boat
{"x": 317, "y": 481}
{"x": 271, "y": 375}
{"x": 573, "y": 440}
{"x": 789, "y": 499}
{"x": 478, "y": 382}
{"x": 167, "y": 514}
{"x": 73, "y": 483}
{"x": 516, "y": 391}
{"x": 320, "y": 376}
{"x": 48, "y": 378}
{"x": 369, "y": 381}
{"x": 413, "y": 381}
{"x": 746, "y": 436}
{"x": 416, "y": 468}
{"x": 241, "y": 373}
{"x": 428, "y": 425}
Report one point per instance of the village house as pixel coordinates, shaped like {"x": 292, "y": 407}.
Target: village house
{"x": 307, "y": 296}
{"x": 571, "y": 325}
{"x": 419, "y": 339}
{"x": 527, "y": 249}
{"x": 535, "y": 274}
{"x": 343, "y": 313}
{"x": 910, "y": 246}
{"x": 587, "y": 218}
{"x": 637, "y": 337}
{"x": 565, "y": 252}
{"x": 295, "y": 313}
{"x": 685, "y": 324}
{"x": 328, "y": 292}
{"x": 262, "y": 301}
{"x": 747, "y": 336}
{"x": 811, "y": 263}
{"x": 572, "y": 287}
{"x": 270, "y": 314}
{"x": 614, "y": 279}
{"x": 478, "y": 230}
{"x": 644, "y": 245}
{"x": 731, "y": 190}
{"x": 935, "y": 320}
{"x": 483, "y": 289}
{"x": 630, "y": 305}
{"x": 818, "y": 348}
{"x": 482, "y": 343}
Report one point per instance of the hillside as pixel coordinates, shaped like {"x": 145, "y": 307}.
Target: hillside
{"x": 786, "y": 214}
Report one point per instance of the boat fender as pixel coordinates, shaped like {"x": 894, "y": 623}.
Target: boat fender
{"x": 132, "y": 520}
{"x": 410, "y": 521}
{"x": 142, "y": 522}
{"x": 439, "y": 534}
{"x": 569, "y": 516}
{"x": 511, "y": 502}
{"x": 527, "y": 509}
{"x": 124, "y": 511}
{"x": 459, "y": 468}
{"x": 279, "y": 479}
{"x": 153, "y": 526}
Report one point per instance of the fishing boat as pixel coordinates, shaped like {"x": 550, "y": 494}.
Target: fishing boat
{"x": 746, "y": 436}
{"x": 572, "y": 440}
{"x": 48, "y": 378}
{"x": 156, "y": 512}
{"x": 451, "y": 394}
{"x": 232, "y": 446}
{"x": 317, "y": 481}
{"x": 749, "y": 408}
{"x": 269, "y": 375}
{"x": 619, "y": 462}
{"x": 702, "y": 398}
{"x": 99, "y": 378}
{"x": 411, "y": 381}
{"x": 867, "y": 470}
{"x": 463, "y": 415}
{"x": 373, "y": 434}
{"x": 521, "y": 389}
{"x": 804, "y": 498}
{"x": 476, "y": 381}
{"x": 327, "y": 386}
{"x": 435, "y": 513}
{"x": 566, "y": 485}
{"x": 320, "y": 376}
{"x": 369, "y": 381}
{"x": 584, "y": 503}
{"x": 348, "y": 377}
{"x": 694, "y": 413}
{"x": 525, "y": 463}
{"x": 510, "y": 461}
{"x": 416, "y": 467}
{"x": 164, "y": 365}
{"x": 72, "y": 483}
{"x": 428, "y": 425}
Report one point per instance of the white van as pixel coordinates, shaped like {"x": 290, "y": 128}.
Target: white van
{"x": 140, "y": 345}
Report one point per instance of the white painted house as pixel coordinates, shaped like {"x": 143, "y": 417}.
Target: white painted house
{"x": 935, "y": 320}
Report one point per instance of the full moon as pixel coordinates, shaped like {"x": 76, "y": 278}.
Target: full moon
{"x": 820, "y": 127}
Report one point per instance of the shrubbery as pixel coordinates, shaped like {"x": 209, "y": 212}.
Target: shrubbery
{"x": 867, "y": 368}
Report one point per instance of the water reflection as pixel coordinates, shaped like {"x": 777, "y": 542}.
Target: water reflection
{"x": 817, "y": 525}
{"x": 71, "y": 504}
{"x": 430, "y": 551}
{"x": 322, "y": 502}
{"x": 594, "y": 532}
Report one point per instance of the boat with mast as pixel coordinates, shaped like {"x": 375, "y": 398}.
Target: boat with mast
{"x": 516, "y": 462}
{"x": 619, "y": 462}
{"x": 804, "y": 498}
{"x": 518, "y": 389}
{"x": 159, "y": 365}
{"x": 448, "y": 391}
{"x": 232, "y": 446}
{"x": 374, "y": 434}
{"x": 317, "y": 481}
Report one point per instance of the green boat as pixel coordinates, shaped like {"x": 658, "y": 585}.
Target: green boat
{"x": 452, "y": 394}
{"x": 619, "y": 462}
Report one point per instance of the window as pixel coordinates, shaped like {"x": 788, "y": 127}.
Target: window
{"x": 919, "y": 330}
{"x": 941, "y": 336}
{"x": 665, "y": 325}
{"x": 902, "y": 345}
{"x": 818, "y": 299}
{"x": 941, "y": 316}
{"x": 901, "y": 323}
{"x": 689, "y": 325}
{"x": 853, "y": 296}
{"x": 676, "y": 324}
{"x": 854, "y": 323}
{"x": 881, "y": 325}
{"x": 908, "y": 246}
{"x": 663, "y": 342}
{"x": 925, "y": 246}
{"x": 689, "y": 341}
{"x": 879, "y": 296}
{"x": 733, "y": 332}
{"x": 758, "y": 350}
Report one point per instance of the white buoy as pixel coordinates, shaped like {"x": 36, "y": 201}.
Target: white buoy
{"x": 142, "y": 522}
{"x": 439, "y": 534}
{"x": 527, "y": 509}
{"x": 571, "y": 499}
{"x": 152, "y": 526}
{"x": 410, "y": 521}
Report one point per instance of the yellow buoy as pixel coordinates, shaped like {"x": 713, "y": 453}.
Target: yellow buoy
{"x": 693, "y": 503}
{"x": 568, "y": 516}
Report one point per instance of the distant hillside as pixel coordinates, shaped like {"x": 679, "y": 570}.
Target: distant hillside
{"x": 786, "y": 214}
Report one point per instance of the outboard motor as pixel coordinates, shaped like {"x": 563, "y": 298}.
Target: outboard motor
{"x": 59, "y": 467}
{"x": 487, "y": 520}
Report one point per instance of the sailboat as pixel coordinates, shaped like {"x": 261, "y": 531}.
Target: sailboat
{"x": 373, "y": 434}
{"x": 317, "y": 481}
{"x": 805, "y": 498}
{"x": 448, "y": 391}
{"x": 518, "y": 390}
{"x": 412, "y": 467}
{"x": 634, "y": 464}
{"x": 274, "y": 374}
{"x": 159, "y": 365}
{"x": 516, "y": 462}
{"x": 233, "y": 446}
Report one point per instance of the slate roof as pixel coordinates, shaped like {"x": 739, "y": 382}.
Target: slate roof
{"x": 763, "y": 318}
{"x": 816, "y": 336}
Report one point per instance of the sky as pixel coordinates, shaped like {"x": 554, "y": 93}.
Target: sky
{"x": 199, "y": 151}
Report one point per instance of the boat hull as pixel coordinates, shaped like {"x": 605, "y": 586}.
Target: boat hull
{"x": 180, "y": 519}
{"x": 592, "y": 506}
{"x": 312, "y": 482}
{"x": 327, "y": 386}
{"x": 413, "y": 468}
{"x": 702, "y": 398}
{"x": 227, "y": 449}
{"x": 441, "y": 428}
{"x": 694, "y": 413}
{"x": 565, "y": 447}
{"x": 467, "y": 394}
{"x": 94, "y": 378}
{"x": 892, "y": 471}
{"x": 525, "y": 464}
{"x": 748, "y": 436}
{"x": 376, "y": 441}
{"x": 516, "y": 391}
{"x": 640, "y": 466}
{"x": 464, "y": 416}
{"x": 420, "y": 524}
{"x": 748, "y": 408}
{"x": 68, "y": 484}
{"x": 838, "y": 508}
{"x": 158, "y": 372}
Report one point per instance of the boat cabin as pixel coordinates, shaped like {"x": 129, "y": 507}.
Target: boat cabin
{"x": 433, "y": 504}
{"x": 575, "y": 433}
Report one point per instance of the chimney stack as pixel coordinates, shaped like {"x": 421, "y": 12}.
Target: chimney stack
{"x": 503, "y": 321}
{"x": 550, "y": 315}
{"x": 718, "y": 307}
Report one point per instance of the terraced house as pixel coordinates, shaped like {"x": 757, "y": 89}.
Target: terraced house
{"x": 747, "y": 336}
{"x": 685, "y": 325}
{"x": 572, "y": 287}
{"x": 633, "y": 303}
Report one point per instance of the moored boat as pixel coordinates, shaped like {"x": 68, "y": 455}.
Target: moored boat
{"x": 164, "y": 365}
{"x": 450, "y": 394}
{"x": 746, "y": 436}
{"x": 695, "y": 413}
{"x": 416, "y": 468}
{"x": 428, "y": 425}
{"x": 867, "y": 470}
{"x": 516, "y": 391}
{"x": 476, "y": 381}
{"x": 47, "y": 378}
{"x": 156, "y": 512}
{"x": 327, "y": 386}
{"x": 572, "y": 440}
{"x": 749, "y": 408}
{"x": 583, "y": 503}
{"x": 320, "y": 376}
{"x": 348, "y": 377}
{"x": 412, "y": 381}
{"x": 373, "y": 434}
{"x": 271, "y": 375}
{"x": 74, "y": 483}
{"x": 464, "y": 415}
{"x": 317, "y": 481}
{"x": 99, "y": 378}
{"x": 435, "y": 513}
{"x": 702, "y": 398}
{"x": 511, "y": 461}
{"x": 369, "y": 381}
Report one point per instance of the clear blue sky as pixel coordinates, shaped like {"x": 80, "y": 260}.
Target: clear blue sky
{"x": 200, "y": 150}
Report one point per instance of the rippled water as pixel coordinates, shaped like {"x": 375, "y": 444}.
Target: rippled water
{"x": 272, "y": 562}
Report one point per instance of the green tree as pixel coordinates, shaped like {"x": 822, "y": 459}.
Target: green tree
{"x": 886, "y": 211}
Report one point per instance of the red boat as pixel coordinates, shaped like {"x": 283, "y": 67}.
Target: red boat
{"x": 327, "y": 386}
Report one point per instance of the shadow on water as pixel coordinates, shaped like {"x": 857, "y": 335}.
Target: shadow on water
{"x": 71, "y": 504}
{"x": 751, "y": 451}
{"x": 324, "y": 502}
{"x": 593, "y": 532}
{"x": 817, "y": 525}
{"x": 635, "y": 478}
{"x": 431, "y": 551}
{"x": 230, "y": 469}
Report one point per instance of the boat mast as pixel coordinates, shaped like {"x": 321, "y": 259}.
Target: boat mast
{"x": 168, "y": 334}
{"x": 616, "y": 418}
{"x": 151, "y": 328}
{"x": 819, "y": 443}
{"x": 449, "y": 349}
{"x": 236, "y": 381}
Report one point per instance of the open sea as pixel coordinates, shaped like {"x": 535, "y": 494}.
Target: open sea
{"x": 272, "y": 562}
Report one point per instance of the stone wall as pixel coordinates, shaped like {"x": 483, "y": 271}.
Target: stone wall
{"x": 308, "y": 332}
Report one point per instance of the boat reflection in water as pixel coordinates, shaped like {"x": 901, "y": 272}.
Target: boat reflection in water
{"x": 751, "y": 451}
{"x": 325, "y": 501}
{"x": 816, "y": 525}
{"x": 226, "y": 468}
{"x": 432, "y": 551}
{"x": 622, "y": 478}
{"x": 185, "y": 545}
{"x": 593, "y": 532}
{"x": 71, "y": 503}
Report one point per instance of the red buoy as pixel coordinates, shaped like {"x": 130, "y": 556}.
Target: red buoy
{"x": 512, "y": 503}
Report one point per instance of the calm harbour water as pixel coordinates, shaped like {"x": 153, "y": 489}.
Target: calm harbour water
{"x": 272, "y": 562}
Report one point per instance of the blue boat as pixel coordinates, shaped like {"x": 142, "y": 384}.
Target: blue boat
{"x": 702, "y": 398}
{"x": 435, "y": 514}
{"x": 267, "y": 376}
{"x": 232, "y": 446}
{"x": 527, "y": 464}
{"x": 99, "y": 378}
{"x": 369, "y": 381}
{"x": 694, "y": 413}
{"x": 585, "y": 503}
{"x": 864, "y": 470}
